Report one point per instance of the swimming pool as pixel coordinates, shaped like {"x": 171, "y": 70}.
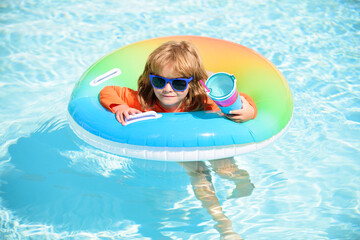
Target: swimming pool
{"x": 54, "y": 186}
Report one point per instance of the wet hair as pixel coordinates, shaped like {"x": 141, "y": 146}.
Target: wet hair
{"x": 186, "y": 61}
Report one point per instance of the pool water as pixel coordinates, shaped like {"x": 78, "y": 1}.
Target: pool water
{"x": 55, "y": 186}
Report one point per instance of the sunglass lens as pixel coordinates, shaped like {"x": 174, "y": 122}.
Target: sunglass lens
{"x": 179, "y": 85}
{"x": 158, "y": 82}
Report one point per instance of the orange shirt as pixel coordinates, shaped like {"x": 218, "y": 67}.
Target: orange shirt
{"x": 112, "y": 96}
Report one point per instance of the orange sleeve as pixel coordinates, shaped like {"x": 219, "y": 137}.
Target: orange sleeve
{"x": 111, "y": 96}
{"x": 212, "y": 105}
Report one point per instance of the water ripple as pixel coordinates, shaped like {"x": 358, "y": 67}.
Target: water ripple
{"x": 307, "y": 180}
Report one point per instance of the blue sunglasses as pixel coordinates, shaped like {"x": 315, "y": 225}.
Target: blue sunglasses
{"x": 178, "y": 84}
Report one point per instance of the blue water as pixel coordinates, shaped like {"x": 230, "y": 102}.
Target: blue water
{"x": 54, "y": 186}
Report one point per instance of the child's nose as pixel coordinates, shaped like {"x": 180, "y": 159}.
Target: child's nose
{"x": 168, "y": 87}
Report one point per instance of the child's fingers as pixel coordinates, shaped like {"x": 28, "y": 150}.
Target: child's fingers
{"x": 120, "y": 117}
{"x": 235, "y": 118}
{"x": 134, "y": 111}
{"x": 126, "y": 115}
{"x": 236, "y": 112}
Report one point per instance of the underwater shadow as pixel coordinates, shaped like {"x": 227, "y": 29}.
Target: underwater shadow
{"x": 42, "y": 186}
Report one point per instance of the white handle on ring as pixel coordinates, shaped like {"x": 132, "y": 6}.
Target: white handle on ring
{"x": 106, "y": 76}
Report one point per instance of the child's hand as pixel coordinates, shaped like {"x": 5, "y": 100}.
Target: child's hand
{"x": 242, "y": 115}
{"x": 123, "y": 112}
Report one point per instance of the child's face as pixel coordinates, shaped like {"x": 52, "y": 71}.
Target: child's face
{"x": 168, "y": 97}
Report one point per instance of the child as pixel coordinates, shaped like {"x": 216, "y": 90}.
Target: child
{"x": 172, "y": 65}
{"x": 171, "y": 83}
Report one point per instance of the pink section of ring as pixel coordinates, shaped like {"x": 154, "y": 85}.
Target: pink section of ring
{"x": 227, "y": 102}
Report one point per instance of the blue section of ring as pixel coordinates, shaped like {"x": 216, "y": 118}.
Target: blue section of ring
{"x": 189, "y": 129}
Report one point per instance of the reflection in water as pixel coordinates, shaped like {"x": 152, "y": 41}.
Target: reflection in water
{"x": 204, "y": 190}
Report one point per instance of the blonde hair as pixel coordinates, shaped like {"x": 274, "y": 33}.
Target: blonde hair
{"x": 186, "y": 61}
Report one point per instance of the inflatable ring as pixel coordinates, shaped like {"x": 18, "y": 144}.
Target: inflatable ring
{"x": 187, "y": 136}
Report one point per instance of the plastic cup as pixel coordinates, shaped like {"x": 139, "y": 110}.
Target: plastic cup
{"x": 223, "y": 91}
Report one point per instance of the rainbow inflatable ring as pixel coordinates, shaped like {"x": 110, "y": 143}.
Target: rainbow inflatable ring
{"x": 188, "y": 136}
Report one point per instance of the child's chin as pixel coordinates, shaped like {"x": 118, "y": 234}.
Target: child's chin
{"x": 169, "y": 103}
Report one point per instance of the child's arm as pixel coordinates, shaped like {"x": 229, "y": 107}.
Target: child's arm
{"x": 244, "y": 114}
{"x": 117, "y": 100}
{"x": 111, "y": 96}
